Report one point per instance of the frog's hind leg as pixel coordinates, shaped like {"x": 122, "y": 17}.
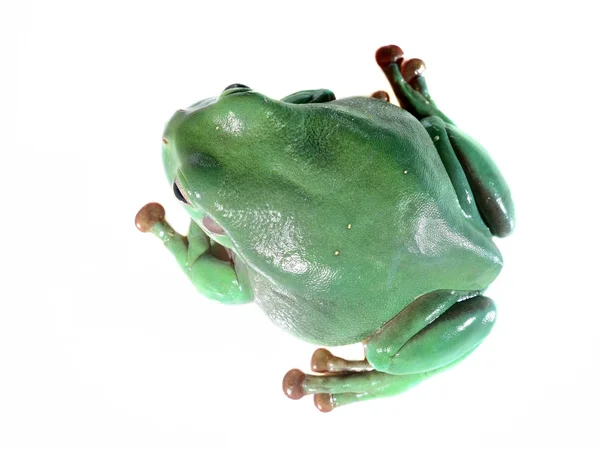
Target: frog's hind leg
{"x": 344, "y": 381}
{"x": 331, "y": 391}
{"x": 381, "y": 95}
{"x": 335, "y": 390}
{"x": 433, "y": 333}
{"x": 482, "y": 191}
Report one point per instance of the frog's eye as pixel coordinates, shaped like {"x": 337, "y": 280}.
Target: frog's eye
{"x": 236, "y": 86}
{"x": 178, "y": 194}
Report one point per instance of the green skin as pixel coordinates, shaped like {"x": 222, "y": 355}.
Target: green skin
{"x": 345, "y": 221}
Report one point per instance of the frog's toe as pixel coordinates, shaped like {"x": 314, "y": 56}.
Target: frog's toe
{"x": 343, "y": 382}
{"x": 381, "y": 95}
{"x": 148, "y": 216}
{"x": 319, "y": 362}
{"x": 323, "y": 361}
{"x": 293, "y": 384}
{"x": 333, "y": 390}
{"x": 412, "y": 68}
{"x": 388, "y": 54}
{"x": 324, "y": 402}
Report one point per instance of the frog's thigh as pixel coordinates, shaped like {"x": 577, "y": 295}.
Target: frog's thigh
{"x": 435, "y": 330}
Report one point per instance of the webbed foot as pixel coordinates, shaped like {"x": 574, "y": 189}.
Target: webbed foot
{"x": 341, "y": 381}
{"x": 432, "y": 334}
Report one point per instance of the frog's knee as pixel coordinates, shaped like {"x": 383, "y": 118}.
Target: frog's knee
{"x": 451, "y": 336}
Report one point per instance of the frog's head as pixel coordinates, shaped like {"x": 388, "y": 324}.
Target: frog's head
{"x": 221, "y": 152}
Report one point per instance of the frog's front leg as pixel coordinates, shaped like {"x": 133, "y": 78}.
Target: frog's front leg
{"x": 433, "y": 333}
{"x": 472, "y": 171}
{"x": 207, "y": 264}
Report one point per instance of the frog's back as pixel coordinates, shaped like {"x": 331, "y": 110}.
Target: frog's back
{"x": 375, "y": 224}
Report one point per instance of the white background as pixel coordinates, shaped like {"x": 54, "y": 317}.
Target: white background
{"x": 103, "y": 342}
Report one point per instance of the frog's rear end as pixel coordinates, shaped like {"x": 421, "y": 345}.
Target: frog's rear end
{"x": 379, "y": 225}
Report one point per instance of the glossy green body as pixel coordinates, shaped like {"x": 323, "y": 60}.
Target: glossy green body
{"x": 286, "y": 180}
{"x": 344, "y": 220}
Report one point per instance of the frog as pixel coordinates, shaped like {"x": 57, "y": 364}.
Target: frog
{"x": 352, "y": 220}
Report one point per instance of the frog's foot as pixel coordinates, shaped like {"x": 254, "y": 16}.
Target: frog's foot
{"x": 436, "y": 331}
{"x": 323, "y": 361}
{"x": 408, "y": 82}
{"x": 296, "y": 384}
{"x": 342, "y": 381}
{"x": 482, "y": 191}
{"x": 333, "y": 390}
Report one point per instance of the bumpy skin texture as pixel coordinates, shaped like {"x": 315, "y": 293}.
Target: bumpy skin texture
{"x": 345, "y": 220}
{"x": 286, "y": 180}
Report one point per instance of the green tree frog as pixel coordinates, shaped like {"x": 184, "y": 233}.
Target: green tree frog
{"x": 351, "y": 220}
